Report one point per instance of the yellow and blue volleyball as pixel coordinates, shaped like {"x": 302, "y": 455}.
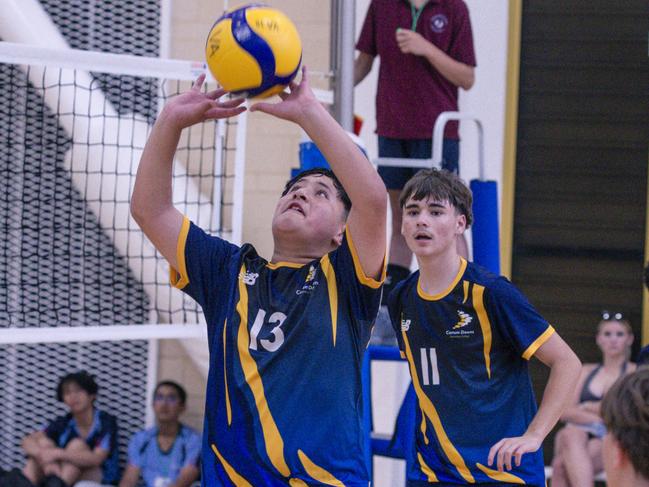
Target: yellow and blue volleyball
{"x": 254, "y": 51}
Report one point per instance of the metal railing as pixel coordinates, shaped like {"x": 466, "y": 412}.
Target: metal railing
{"x": 437, "y": 145}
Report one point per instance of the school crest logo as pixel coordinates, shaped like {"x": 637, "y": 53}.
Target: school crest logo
{"x": 464, "y": 319}
{"x": 438, "y": 23}
{"x": 309, "y": 283}
{"x": 459, "y": 329}
{"x": 249, "y": 278}
{"x": 311, "y": 275}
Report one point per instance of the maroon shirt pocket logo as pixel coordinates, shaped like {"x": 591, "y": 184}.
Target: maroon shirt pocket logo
{"x": 438, "y": 23}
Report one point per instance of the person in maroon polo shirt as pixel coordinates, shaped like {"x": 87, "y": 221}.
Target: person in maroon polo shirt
{"x": 426, "y": 51}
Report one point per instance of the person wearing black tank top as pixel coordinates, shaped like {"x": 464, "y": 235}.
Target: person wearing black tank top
{"x": 578, "y": 445}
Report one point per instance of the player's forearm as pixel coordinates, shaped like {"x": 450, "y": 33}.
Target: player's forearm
{"x": 355, "y": 172}
{"x": 152, "y": 193}
{"x": 456, "y": 72}
{"x": 564, "y": 374}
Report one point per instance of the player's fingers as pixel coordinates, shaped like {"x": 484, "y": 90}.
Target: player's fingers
{"x": 283, "y": 95}
{"x": 518, "y": 456}
{"x": 262, "y": 107}
{"x": 500, "y": 459}
{"x": 519, "y": 451}
{"x": 224, "y": 112}
{"x": 235, "y": 102}
{"x": 492, "y": 452}
{"x": 215, "y": 94}
{"x": 199, "y": 82}
{"x": 507, "y": 457}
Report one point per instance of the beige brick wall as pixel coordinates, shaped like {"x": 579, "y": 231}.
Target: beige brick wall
{"x": 271, "y": 150}
{"x": 175, "y": 365}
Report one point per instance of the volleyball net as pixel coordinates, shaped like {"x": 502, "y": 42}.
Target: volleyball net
{"x": 82, "y": 287}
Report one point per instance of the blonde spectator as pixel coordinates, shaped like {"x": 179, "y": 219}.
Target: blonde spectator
{"x": 578, "y": 445}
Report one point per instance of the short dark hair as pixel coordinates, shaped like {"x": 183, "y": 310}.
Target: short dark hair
{"x": 341, "y": 193}
{"x": 182, "y": 395}
{"x": 625, "y": 409}
{"x": 81, "y": 378}
{"x": 440, "y": 185}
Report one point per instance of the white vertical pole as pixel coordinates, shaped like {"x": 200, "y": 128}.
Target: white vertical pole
{"x": 239, "y": 175}
{"x": 344, "y": 17}
{"x": 166, "y": 11}
{"x": 219, "y": 174}
{"x": 151, "y": 380}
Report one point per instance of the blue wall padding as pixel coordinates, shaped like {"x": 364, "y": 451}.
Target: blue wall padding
{"x": 486, "y": 248}
{"x": 311, "y": 157}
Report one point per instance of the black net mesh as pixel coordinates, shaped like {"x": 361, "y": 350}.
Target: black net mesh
{"x": 70, "y": 256}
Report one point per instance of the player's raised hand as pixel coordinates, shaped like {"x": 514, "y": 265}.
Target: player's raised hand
{"x": 513, "y": 448}
{"x": 295, "y": 104}
{"x": 194, "y": 106}
{"x": 411, "y": 42}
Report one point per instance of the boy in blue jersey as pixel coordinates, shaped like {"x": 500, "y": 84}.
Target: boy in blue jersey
{"x": 167, "y": 454}
{"x": 467, "y": 336}
{"x": 81, "y": 445}
{"x": 286, "y": 336}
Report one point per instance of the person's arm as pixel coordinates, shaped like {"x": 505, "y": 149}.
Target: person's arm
{"x": 362, "y": 66}
{"x": 31, "y": 444}
{"x": 564, "y": 374}
{"x": 130, "y": 477}
{"x": 367, "y": 218}
{"x": 81, "y": 459}
{"x": 579, "y": 413}
{"x": 151, "y": 202}
{"x": 458, "y": 73}
{"x": 187, "y": 476}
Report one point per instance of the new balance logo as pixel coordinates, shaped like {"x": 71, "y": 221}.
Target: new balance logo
{"x": 249, "y": 278}
{"x": 464, "y": 319}
{"x": 405, "y": 325}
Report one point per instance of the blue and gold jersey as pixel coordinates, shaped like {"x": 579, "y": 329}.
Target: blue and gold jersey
{"x": 467, "y": 350}
{"x": 284, "y": 402}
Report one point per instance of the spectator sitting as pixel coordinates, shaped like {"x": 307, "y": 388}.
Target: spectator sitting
{"x": 625, "y": 410}
{"x": 578, "y": 446}
{"x": 82, "y": 445}
{"x": 166, "y": 455}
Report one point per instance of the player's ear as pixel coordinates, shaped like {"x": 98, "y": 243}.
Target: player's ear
{"x": 620, "y": 459}
{"x": 338, "y": 238}
{"x": 460, "y": 224}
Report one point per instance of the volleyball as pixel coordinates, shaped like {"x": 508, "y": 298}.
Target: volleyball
{"x": 253, "y": 51}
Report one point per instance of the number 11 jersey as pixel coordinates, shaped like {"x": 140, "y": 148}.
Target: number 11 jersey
{"x": 467, "y": 349}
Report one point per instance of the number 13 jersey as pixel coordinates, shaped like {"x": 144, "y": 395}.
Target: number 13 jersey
{"x": 284, "y": 402}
